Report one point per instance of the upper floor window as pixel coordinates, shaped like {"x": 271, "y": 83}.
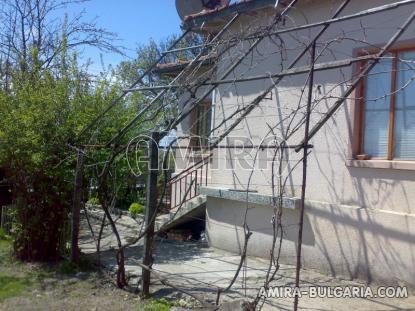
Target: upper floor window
{"x": 201, "y": 127}
{"x": 388, "y": 113}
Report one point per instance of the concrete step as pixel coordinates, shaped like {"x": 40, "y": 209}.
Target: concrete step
{"x": 192, "y": 209}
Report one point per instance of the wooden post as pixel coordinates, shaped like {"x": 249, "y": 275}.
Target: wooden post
{"x": 151, "y": 210}
{"x": 76, "y": 206}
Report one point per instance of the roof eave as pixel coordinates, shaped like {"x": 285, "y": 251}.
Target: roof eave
{"x": 175, "y": 68}
{"x": 196, "y": 22}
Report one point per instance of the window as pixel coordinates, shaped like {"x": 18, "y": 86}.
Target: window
{"x": 388, "y": 113}
{"x": 202, "y": 124}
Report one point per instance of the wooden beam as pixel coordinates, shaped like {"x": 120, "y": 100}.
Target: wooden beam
{"x": 392, "y": 106}
{"x": 150, "y": 213}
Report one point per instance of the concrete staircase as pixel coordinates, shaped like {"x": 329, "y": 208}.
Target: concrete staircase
{"x": 192, "y": 209}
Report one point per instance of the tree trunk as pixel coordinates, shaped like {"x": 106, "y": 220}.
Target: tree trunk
{"x": 76, "y": 206}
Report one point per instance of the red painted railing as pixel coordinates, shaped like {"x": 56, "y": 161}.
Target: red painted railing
{"x": 183, "y": 187}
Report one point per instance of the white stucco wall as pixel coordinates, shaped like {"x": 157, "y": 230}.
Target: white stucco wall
{"x": 340, "y": 240}
{"x": 330, "y": 180}
{"x": 359, "y": 221}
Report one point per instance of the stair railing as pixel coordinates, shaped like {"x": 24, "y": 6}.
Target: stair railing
{"x": 183, "y": 187}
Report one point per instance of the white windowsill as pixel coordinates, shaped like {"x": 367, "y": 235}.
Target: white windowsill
{"x": 250, "y": 197}
{"x": 382, "y": 164}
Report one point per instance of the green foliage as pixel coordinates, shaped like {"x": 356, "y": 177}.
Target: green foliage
{"x": 93, "y": 201}
{"x": 42, "y": 110}
{"x": 68, "y": 267}
{"x": 11, "y": 286}
{"x": 147, "y": 54}
{"x": 136, "y": 209}
{"x": 4, "y": 236}
{"x": 5, "y": 251}
{"x": 40, "y": 117}
{"x": 155, "y": 305}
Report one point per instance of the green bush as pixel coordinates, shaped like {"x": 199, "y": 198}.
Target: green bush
{"x": 3, "y": 235}
{"x": 68, "y": 267}
{"x": 93, "y": 201}
{"x": 155, "y": 305}
{"x": 136, "y": 209}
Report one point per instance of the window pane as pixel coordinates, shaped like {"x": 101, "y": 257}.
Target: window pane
{"x": 204, "y": 123}
{"x": 404, "y": 140}
{"x": 377, "y": 104}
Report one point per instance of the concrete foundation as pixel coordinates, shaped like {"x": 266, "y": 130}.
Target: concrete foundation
{"x": 343, "y": 241}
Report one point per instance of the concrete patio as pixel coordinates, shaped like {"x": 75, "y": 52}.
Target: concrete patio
{"x": 200, "y": 270}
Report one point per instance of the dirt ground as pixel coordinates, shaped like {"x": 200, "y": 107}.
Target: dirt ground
{"x": 61, "y": 287}
{"x": 71, "y": 293}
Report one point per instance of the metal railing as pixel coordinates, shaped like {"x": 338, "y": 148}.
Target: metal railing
{"x": 183, "y": 187}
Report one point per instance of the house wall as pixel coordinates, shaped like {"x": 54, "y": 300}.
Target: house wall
{"x": 185, "y": 157}
{"x": 359, "y": 221}
{"x": 339, "y": 240}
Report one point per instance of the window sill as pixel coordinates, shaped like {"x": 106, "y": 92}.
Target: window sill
{"x": 382, "y": 164}
{"x": 248, "y": 197}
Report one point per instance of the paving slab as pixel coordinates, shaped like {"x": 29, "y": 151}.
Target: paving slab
{"x": 201, "y": 270}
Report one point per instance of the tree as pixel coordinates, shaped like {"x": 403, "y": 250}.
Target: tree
{"x": 46, "y": 98}
{"x": 39, "y": 117}
{"x": 27, "y": 25}
{"x": 147, "y": 54}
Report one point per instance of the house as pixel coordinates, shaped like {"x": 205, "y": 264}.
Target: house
{"x": 359, "y": 210}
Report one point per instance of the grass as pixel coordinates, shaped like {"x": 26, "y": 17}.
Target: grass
{"x": 42, "y": 286}
{"x": 10, "y": 285}
{"x": 155, "y": 305}
{"x": 5, "y": 248}
{"x": 20, "y": 279}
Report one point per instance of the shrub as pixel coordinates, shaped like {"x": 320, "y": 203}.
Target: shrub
{"x": 93, "y": 201}
{"x": 68, "y": 267}
{"x": 155, "y": 305}
{"x": 3, "y": 235}
{"x": 41, "y": 115}
{"x": 136, "y": 209}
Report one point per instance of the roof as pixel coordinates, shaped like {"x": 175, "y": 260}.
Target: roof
{"x": 221, "y": 13}
{"x": 175, "y": 68}
{"x": 218, "y": 15}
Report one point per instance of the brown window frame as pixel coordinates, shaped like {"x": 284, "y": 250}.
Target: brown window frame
{"x": 358, "y": 146}
{"x": 195, "y": 142}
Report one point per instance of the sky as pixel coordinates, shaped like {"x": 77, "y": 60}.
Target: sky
{"x": 135, "y": 22}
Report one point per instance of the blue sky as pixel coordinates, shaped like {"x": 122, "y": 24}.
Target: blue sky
{"x": 135, "y": 21}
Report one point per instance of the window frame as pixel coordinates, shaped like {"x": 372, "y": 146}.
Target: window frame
{"x": 195, "y": 142}
{"x": 359, "y": 113}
